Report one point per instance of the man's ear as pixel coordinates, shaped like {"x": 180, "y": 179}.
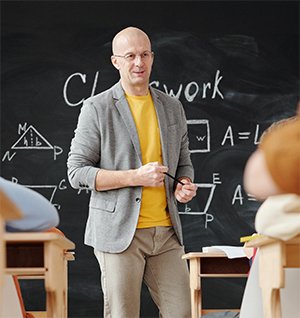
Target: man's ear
{"x": 114, "y": 62}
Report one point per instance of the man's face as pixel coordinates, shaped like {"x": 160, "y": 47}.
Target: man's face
{"x": 133, "y": 58}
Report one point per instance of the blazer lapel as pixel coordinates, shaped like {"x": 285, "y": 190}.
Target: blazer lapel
{"x": 124, "y": 110}
{"x": 163, "y": 125}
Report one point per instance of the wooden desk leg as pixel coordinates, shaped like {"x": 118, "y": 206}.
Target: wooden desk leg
{"x": 271, "y": 303}
{"x": 195, "y": 285}
{"x": 55, "y": 281}
{"x": 65, "y": 295}
{"x": 271, "y": 276}
{"x": 2, "y": 259}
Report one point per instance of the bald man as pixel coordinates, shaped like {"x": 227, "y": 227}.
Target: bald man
{"x": 126, "y": 139}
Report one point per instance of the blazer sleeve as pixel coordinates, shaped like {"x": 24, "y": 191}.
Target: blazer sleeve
{"x": 84, "y": 152}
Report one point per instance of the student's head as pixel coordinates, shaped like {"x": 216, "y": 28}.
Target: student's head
{"x": 133, "y": 57}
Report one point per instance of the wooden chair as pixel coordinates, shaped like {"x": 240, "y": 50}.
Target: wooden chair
{"x": 274, "y": 256}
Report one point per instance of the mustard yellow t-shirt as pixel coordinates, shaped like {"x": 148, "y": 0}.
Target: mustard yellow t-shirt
{"x": 154, "y": 203}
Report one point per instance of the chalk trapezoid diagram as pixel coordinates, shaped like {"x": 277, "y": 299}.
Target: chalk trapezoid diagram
{"x": 48, "y": 191}
{"x": 31, "y": 139}
{"x": 210, "y": 193}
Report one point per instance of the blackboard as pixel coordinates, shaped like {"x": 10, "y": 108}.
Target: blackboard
{"x": 234, "y": 66}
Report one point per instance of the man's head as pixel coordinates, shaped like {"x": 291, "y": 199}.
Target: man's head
{"x": 133, "y": 57}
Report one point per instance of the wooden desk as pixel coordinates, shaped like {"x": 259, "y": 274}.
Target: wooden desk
{"x": 274, "y": 256}
{"x": 42, "y": 255}
{"x": 8, "y": 211}
{"x": 206, "y": 265}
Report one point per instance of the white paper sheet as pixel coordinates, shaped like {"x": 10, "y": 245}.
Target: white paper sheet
{"x": 230, "y": 251}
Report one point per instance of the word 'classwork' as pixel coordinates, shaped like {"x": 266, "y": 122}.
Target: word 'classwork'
{"x": 189, "y": 91}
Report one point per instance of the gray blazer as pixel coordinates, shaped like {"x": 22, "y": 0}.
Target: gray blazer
{"x": 106, "y": 138}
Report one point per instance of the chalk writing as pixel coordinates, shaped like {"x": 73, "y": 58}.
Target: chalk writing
{"x": 216, "y": 178}
{"x": 31, "y": 139}
{"x": 87, "y": 191}
{"x": 251, "y": 197}
{"x": 83, "y": 79}
{"x": 238, "y": 196}
{"x": 199, "y": 135}
{"x": 192, "y": 89}
{"x": 208, "y": 217}
{"x": 48, "y": 191}
{"x": 244, "y": 135}
{"x": 190, "y": 92}
{"x": 189, "y": 208}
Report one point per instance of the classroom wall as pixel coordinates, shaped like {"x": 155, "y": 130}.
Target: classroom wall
{"x": 233, "y": 65}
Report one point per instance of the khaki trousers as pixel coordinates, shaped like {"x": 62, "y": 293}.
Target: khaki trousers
{"x": 154, "y": 257}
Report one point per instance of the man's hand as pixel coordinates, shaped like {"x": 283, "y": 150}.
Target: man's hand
{"x": 151, "y": 174}
{"x": 185, "y": 193}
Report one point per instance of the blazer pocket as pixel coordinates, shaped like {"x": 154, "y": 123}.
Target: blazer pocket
{"x": 104, "y": 205}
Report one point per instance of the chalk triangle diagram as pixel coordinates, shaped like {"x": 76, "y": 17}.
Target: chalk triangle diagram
{"x": 31, "y": 139}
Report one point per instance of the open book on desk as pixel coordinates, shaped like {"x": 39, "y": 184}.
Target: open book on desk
{"x": 230, "y": 251}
